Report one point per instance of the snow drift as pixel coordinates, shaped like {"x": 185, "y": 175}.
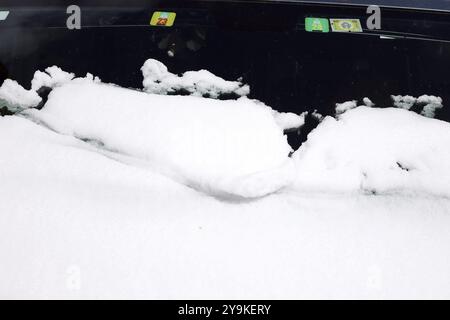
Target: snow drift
{"x": 158, "y": 80}
{"x": 95, "y": 216}
{"x": 289, "y": 120}
{"x": 373, "y": 150}
{"x": 429, "y": 103}
{"x": 237, "y": 147}
{"x": 345, "y": 106}
{"x": 16, "y": 98}
{"x": 76, "y": 224}
{"x": 232, "y": 147}
{"x": 51, "y": 78}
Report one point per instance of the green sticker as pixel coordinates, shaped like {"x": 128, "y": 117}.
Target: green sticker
{"x": 346, "y": 25}
{"x": 163, "y": 19}
{"x": 317, "y": 25}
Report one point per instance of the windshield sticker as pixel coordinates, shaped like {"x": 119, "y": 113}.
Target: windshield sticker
{"x": 317, "y": 25}
{"x": 346, "y": 25}
{"x": 3, "y": 15}
{"x": 163, "y": 19}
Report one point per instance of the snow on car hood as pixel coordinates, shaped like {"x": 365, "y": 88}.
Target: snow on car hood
{"x": 220, "y": 147}
{"x": 90, "y": 195}
{"x": 238, "y": 148}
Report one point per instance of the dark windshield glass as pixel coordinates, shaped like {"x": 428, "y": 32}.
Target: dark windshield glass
{"x": 415, "y": 4}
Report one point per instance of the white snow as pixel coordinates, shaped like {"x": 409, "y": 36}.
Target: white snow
{"x": 76, "y": 223}
{"x": 221, "y": 147}
{"x": 16, "y": 98}
{"x": 317, "y": 115}
{"x": 404, "y": 102}
{"x": 431, "y": 104}
{"x": 52, "y": 77}
{"x": 289, "y": 120}
{"x": 158, "y": 80}
{"x": 345, "y": 106}
{"x": 376, "y": 150}
{"x": 99, "y": 198}
{"x": 368, "y": 103}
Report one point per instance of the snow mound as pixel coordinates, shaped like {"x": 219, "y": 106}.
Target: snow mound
{"x": 317, "y": 115}
{"x": 403, "y": 102}
{"x": 158, "y": 80}
{"x": 231, "y": 148}
{"x": 289, "y": 120}
{"x": 345, "y": 106}
{"x": 78, "y": 225}
{"x": 16, "y": 98}
{"x": 51, "y": 78}
{"x": 368, "y": 103}
{"x": 373, "y": 150}
{"x": 430, "y": 103}
{"x": 54, "y": 77}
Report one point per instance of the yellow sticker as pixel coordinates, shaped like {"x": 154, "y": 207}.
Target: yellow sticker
{"x": 346, "y": 25}
{"x": 163, "y": 19}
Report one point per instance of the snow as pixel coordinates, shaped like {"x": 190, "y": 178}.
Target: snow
{"x": 77, "y": 224}
{"x": 158, "y": 80}
{"x": 316, "y": 115}
{"x": 431, "y": 104}
{"x": 226, "y": 148}
{"x": 404, "y": 102}
{"x": 374, "y": 150}
{"x": 352, "y": 104}
{"x": 116, "y": 193}
{"x": 52, "y": 77}
{"x": 289, "y": 120}
{"x": 345, "y": 106}
{"x": 368, "y": 103}
{"x": 16, "y": 98}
